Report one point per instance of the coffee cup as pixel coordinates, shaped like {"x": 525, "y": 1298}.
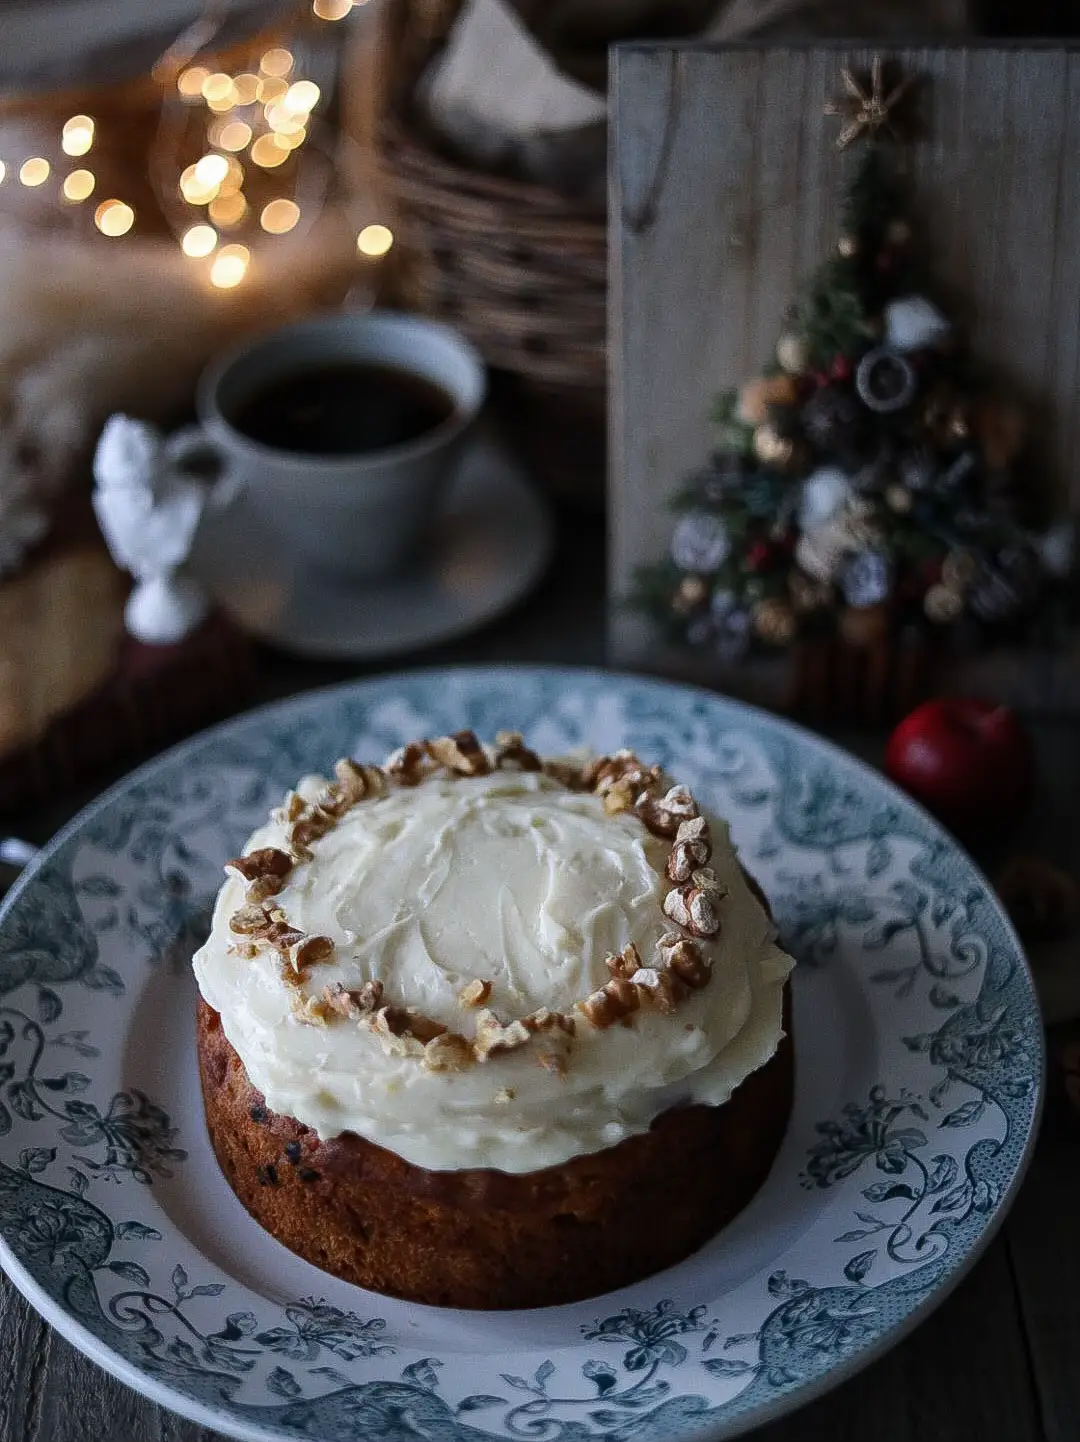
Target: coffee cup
{"x": 341, "y": 433}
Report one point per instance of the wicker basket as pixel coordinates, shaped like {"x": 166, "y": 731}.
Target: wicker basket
{"x": 515, "y": 266}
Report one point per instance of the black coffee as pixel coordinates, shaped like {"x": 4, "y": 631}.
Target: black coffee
{"x": 343, "y": 408}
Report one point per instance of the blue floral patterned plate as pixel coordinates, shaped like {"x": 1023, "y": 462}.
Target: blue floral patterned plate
{"x": 919, "y": 1058}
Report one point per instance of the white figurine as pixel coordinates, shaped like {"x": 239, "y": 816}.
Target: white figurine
{"x": 149, "y": 511}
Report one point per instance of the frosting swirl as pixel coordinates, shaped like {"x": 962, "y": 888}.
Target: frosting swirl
{"x": 508, "y": 878}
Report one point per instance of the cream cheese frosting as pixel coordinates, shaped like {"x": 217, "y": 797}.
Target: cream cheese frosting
{"x": 513, "y": 879}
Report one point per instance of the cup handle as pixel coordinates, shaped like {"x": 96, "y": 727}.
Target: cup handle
{"x": 190, "y": 449}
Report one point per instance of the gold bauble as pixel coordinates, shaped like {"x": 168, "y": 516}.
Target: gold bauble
{"x": 692, "y": 593}
{"x": 774, "y": 622}
{"x": 943, "y": 605}
{"x": 959, "y": 570}
{"x": 791, "y": 353}
{"x": 898, "y": 232}
{"x": 772, "y": 448}
{"x": 899, "y": 499}
{"x": 848, "y": 246}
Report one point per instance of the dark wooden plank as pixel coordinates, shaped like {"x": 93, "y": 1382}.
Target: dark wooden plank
{"x": 925, "y": 1390}
{"x": 1044, "y": 1246}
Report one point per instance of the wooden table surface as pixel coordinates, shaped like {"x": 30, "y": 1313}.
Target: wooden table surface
{"x": 999, "y": 1361}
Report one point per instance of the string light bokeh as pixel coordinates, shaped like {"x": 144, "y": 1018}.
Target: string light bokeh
{"x": 255, "y": 165}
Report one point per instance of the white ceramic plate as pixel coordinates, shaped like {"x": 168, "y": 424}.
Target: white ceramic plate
{"x": 919, "y": 1070}
{"x": 488, "y": 546}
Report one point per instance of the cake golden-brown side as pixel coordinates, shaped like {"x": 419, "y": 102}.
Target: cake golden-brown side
{"x": 489, "y": 1239}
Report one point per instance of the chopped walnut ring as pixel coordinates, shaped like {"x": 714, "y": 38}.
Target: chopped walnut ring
{"x": 267, "y": 861}
{"x": 624, "y": 963}
{"x": 611, "y": 1003}
{"x": 460, "y": 753}
{"x": 692, "y": 849}
{"x": 660, "y": 987}
{"x": 475, "y": 993}
{"x": 543, "y": 1019}
{"x": 493, "y": 1037}
{"x": 406, "y": 764}
{"x": 510, "y": 749}
{"x": 685, "y": 960}
{"x": 308, "y": 952}
{"x": 448, "y": 1052}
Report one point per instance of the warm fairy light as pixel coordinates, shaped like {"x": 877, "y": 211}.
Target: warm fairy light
{"x": 113, "y": 217}
{"x": 279, "y": 216}
{"x": 79, "y": 185}
{"x": 3, "y": 171}
{"x": 218, "y": 86}
{"x": 233, "y": 135}
{"x": 245, "y": 88}
{"x": 78, "y": 135}
{"x": 34, "y": 171}
{"x": 211, "y": 170}
{"x": 190, "y": 81}
{"x": 285, "y": 121}
{"x": 268, "y": 154}
{"x": 277, "y": 61}
{"x": 271, "y": 89}
{"x": 227, "y": 209}
{"x": 233, "y": 178}
{"x": 331, "y": 9}
{"x": 193, "y": 190}
{"x": 301, "y": 97}
{"x": 374, "y": 240}
{"x": 198, "y": 241}
{"x": 291, "y": 139}
{"x": 229, "y": 267}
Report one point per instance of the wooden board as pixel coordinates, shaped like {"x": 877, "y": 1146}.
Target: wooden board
{"x": 725, "y": 195}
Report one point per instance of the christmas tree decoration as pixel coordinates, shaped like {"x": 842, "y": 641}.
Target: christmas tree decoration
{"x": 874, "y": 482}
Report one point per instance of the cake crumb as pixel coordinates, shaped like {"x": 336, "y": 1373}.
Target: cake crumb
{"x": 475, "y": 993}
{"x": 504, "y": 1095}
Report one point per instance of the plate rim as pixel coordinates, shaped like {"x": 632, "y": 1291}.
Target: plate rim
{"x": 710, "y": 1431}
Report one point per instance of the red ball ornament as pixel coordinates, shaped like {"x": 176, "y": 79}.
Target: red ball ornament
{"x": 758, "y": 556}
{"x": 841, "y": 368}
{"x": 970, "y": 762}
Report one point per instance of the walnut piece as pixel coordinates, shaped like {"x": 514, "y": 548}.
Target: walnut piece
{"x": 312, "y": 1010}
{"x": 567, "y": 773}
{"x": 266, "y": 861}
{"x": 263, "y": 887}
{"x": 475, "y": 993}
{"x": 460, "y": 753}
{"x": 696, "y": 906}
{"x": 692, "y": 849}
{"x": 659, "y": 987}
{"x": 309, "y": 952}
{"x": 492, "y": 1037}
{"x": 355, "y": 782}
{"x": 623, "y": 964}
{"x": 510, "y": 750}
{"x": 611, "y": 1003}
{"x": 685, "y": 960}
{"x": 291, "y": 809}
{"x": 448, "y": 1052}
{"x": 618, "y": 797}
{"x": 544, "y": 1019}
{"x": 246, "y": 949}
{"x": 406, "y": 765}
{"x": 250, "y": 921}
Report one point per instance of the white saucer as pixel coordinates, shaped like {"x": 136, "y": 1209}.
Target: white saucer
{"x": 489, "y": 545}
